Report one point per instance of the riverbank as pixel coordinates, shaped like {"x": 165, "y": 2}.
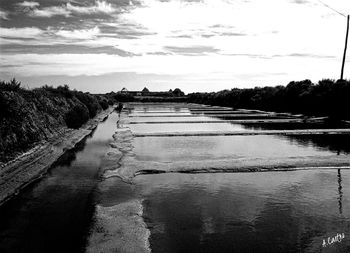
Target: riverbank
{"x": 30, "y": 166}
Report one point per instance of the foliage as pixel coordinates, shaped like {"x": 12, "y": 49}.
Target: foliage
{"x": 89, "y": 101}
{"x": 103, "y": 102}
{"x": 31, "y": 115}
{"x": 327, "y": 98}
{"x": 77, "y": 116}
{"x": 122, "y": 97}
{"x": 178, "y": 93}
{"x": 12, "y": 85}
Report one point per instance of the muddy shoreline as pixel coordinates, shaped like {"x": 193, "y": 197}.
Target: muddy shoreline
{"x": 32, "y": 165}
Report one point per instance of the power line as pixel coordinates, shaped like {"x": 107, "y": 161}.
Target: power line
{"x": 329, "y": 7}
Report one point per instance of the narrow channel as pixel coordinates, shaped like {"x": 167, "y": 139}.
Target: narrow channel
{"x": 54, "y": 213}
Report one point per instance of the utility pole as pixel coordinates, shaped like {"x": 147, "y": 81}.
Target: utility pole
{"x": 346, "y": 45}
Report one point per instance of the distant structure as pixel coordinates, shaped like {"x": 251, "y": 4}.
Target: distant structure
{"x": 146, "y": 93}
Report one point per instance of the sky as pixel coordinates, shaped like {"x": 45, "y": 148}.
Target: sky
{"x": 195, "y": 45}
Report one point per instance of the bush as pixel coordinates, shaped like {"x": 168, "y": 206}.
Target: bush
{"x": 60, "y": 90}
{"x": 103, "y": 102}
{"x": 77, "y": 116}
{"x": 12, "y": 85}
{"x": 90, "y": 102}
{"x": 120, "y": 97}
{"x": 110, "y": 102}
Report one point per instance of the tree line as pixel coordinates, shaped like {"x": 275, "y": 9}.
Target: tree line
{"x": 28, "y": 116}
{"x": 326, "y": 98}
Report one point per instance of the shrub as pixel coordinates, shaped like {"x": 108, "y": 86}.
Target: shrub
{"x": 120, "y": 97}
{"x": 77, "y": 116}
{"x": 65, "y": 91}
{"x": 90, "y": 102}
{"x": 103, "y": 102}
{"x": 110, "y": 102}
{"x": 12, "y": 85}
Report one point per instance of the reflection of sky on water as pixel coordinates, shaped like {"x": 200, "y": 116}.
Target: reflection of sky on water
{"x": 264, "y": 212}
{"x": 53, "y": 214}
{"x": 221, "y": 147}
{"x": 166, "y": 119}
{"x": 183, "y": 127}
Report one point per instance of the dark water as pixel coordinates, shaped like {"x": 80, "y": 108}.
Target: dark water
{"x": 292, "y": 126}
{"x": 243, "y": 212}
{"x": 240, "y": 212}
{"x": 247, "y": 212}
{"x": 53, "y": 215}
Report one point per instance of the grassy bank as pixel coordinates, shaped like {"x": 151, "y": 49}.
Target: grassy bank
{"x": 30, "y": 116}
{"x": 326, "y": 98}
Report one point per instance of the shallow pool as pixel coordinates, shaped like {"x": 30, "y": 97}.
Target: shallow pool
{"x": 240, "y": 212}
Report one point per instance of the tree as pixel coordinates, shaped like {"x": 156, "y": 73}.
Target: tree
{"x": 178, "y": 93}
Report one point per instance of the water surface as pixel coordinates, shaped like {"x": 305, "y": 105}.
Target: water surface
{"x": 53, "y": 214}
{"x": 247, "y": 212}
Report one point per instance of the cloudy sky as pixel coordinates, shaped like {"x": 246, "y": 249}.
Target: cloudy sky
{"x": 196, "y": 45}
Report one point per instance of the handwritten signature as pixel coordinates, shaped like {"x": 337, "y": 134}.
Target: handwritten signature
{"x": 333, "y": 239}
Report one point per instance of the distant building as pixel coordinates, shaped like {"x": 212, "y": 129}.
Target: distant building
{"x": 124, "y": 90}
{"x": 146, "y": 93}
{"x": 133, "y": 93}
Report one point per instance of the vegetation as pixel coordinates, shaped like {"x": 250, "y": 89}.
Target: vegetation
{"x": 77, "y": 116}
{"x": 326, "y": 98}
{"x": 104, "y": 103}
{"x": 121, "y": 97}
{"x": 29, "y": 116}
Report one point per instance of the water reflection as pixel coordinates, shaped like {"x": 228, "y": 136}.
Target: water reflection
{"x": 339, "y": 144}
{"x": 257, "y": 212}
{"x": 53, "y": 215}
{"x": 216, "y": 148}
{"x": 181, "y": 127}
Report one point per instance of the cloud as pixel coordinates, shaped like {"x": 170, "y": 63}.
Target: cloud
{"x": 33, "y": 9}
{"x": 26, "y": 32}
{"x": 54, "y": 49}
{"x": 193, "y": 50}
{"x": 300, "y": 1}
{"x": 83, "y": 34}
{"x": 28, "y": 4}
{"x": 172, "y": 37}
{"x": 99, "y": 7}
{"x": 307, "y": 55}
{"x": 232, "y": 34}
{"x": 158, "y": 53}
{"x": 3, "y": 14}
{"x": 49, "y": 12}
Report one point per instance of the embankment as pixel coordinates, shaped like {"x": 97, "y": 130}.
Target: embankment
{"x": 30, "y": 166}
{"x": 38, "y": 125}
{"x": 28, "y": 117}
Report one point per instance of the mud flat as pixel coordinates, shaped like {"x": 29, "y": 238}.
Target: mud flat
{"x": 119, "y": 228}
{"x": 238, "y": 121}
{"x": 132, "y": 167}
{"x": 242, "y": 115}
{"x": 30, "y": 166}
{"x": 259, "y": 132}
